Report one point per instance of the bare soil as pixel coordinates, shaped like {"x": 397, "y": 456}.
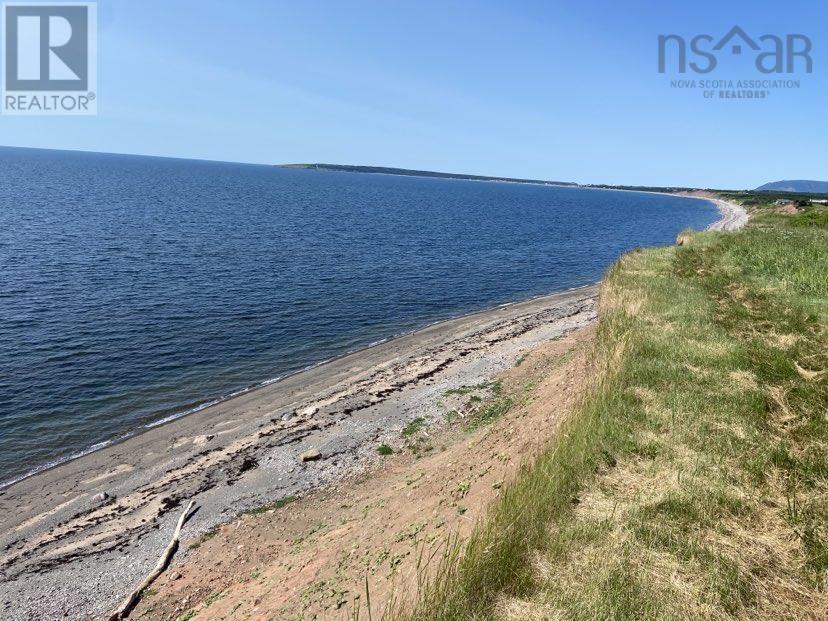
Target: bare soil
{"x": 312, "y": 558}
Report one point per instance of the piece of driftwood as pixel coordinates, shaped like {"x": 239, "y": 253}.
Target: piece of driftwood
{"x": 132, "y": 599}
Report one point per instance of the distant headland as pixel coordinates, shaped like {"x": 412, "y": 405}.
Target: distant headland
{"x": 796, "y": 185}
{"x": 408, "y": 172}
{"x": 384, "y": 170}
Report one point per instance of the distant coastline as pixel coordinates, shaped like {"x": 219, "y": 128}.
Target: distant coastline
{"x": 407, "y": 172}
{"x": 814, "y": 189}
{"x": 410, "y": 172}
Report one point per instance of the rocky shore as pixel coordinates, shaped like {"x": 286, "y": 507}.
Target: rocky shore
{"x": 77, "y": 538}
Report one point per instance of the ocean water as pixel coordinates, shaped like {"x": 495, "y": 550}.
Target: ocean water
{"x": 134, "y": 289}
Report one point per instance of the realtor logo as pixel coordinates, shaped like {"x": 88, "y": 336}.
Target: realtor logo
{"x": 49, "y": 58}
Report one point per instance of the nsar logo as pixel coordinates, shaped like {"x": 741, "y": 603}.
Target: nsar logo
{"x": 772, "y": 53}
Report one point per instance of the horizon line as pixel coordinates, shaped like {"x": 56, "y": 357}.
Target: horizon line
{"x": 289, "y": 165}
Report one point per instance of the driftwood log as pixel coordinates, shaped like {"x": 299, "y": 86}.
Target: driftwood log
{"x": 132, "y": 599}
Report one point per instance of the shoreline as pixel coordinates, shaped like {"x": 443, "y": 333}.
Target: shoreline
{"x": 732, "y": 217}
{"x": 730, "y": 214}
{"x": 195, "y": 409}
{"x": 80, "y": 534}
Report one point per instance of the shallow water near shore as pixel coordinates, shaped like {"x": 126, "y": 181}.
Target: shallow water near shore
{"x": 134, "y": 289}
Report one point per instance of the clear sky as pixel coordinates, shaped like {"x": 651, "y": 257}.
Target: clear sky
{"x": 555, "y": 90}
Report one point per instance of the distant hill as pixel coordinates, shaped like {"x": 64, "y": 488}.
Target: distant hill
{"x": 417, "y": 173}
{"x": 799, "y": 185}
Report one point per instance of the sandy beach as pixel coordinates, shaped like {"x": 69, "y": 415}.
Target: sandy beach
{"x": 733, "y": 216}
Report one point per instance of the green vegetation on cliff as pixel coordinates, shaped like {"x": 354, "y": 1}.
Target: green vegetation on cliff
{"x": 692, "y": 481}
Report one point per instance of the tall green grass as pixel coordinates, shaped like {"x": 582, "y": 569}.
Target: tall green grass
{"x": 691, "y": 481}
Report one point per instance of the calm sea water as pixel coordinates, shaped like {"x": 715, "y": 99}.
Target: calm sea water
{"x": 133, "y": 289}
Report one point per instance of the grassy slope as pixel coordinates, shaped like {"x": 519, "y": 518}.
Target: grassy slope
{"x": 692, "y": 482}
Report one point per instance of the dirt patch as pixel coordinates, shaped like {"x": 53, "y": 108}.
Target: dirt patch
{"x": 311, "y": 558}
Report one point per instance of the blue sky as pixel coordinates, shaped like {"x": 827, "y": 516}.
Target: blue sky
{"x": 564, "y": 90}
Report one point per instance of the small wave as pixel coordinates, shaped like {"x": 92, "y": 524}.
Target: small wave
{"x": 62, "y": 460}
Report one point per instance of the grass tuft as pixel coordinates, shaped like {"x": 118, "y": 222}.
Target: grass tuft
{"x": 413, "y": 427}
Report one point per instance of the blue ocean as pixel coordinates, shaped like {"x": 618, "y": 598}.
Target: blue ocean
{"x": 136, "y": 289}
